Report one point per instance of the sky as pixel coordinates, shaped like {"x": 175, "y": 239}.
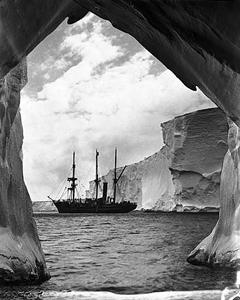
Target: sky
{"x": 91, "y": 86}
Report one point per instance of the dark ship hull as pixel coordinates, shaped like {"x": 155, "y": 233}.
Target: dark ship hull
{"x": 64, "y": 206}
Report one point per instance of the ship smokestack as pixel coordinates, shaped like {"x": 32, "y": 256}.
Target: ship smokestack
{"x": 105, "y": 187}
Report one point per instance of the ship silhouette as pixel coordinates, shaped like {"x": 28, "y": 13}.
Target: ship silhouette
{"x": 105, "y": 204}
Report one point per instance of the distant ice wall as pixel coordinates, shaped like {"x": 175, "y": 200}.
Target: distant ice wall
{"x": 43, "y": 206}
{"x": 185, "y": 173}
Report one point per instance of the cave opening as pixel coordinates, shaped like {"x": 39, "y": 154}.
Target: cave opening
{"x": 95, "y": 83}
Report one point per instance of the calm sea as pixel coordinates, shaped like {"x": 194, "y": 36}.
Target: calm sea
{"x": 127, "y": 253}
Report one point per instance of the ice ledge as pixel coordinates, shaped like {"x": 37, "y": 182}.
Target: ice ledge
{"x": 194, "y": 295}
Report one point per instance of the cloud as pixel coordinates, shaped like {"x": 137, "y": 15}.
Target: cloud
{"x": 102, "y": 101}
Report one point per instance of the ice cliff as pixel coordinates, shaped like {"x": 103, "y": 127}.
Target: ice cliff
{"x": 195, "y": 145}
{"x": 198, "y": 40}
{"x": 185, "y": 174}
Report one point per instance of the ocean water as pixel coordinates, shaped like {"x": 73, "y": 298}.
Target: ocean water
{"x": 126, "y": 253}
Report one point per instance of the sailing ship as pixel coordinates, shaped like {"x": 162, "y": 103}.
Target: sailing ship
{"x": 104, "y": 204}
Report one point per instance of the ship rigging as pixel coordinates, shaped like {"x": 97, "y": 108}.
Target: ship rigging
{"x": 104, "y": 204}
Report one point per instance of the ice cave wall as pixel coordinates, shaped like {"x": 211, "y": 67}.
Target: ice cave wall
{"x": 21, "y": 257}
{"x": 185, "y": 174}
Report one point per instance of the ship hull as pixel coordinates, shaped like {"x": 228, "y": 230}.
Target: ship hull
{"x": 79, "y": 208}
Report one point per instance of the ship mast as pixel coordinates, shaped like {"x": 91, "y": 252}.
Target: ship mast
{"x": 115, "y": 178}
{"x": 73, "y": 180}
{"x": 97, "y": 179}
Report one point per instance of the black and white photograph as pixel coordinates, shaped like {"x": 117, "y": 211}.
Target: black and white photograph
{"x": 119, "y": 149}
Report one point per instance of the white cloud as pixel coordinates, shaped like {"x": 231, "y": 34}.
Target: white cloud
{"x": 94, "y": 47}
